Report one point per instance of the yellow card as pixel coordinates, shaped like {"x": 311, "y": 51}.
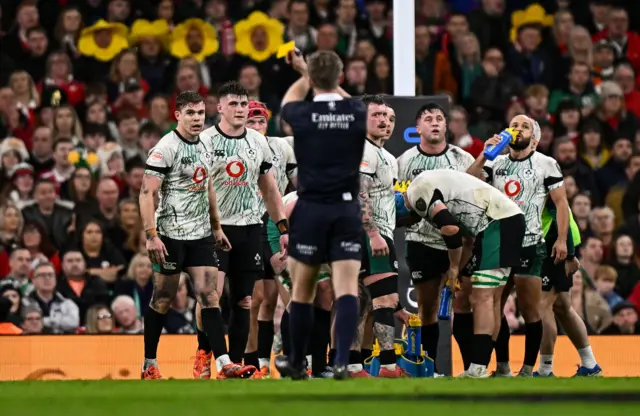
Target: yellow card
{"x": 285, "y": 49}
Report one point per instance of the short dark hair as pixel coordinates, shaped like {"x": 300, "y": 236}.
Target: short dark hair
{"x": 369, "y": 99}
{"x": 125, "y": 115}
{"x": 41, "y": 181}
{"x": 36, "y": 29}
{"x": 60, "y": 141}
{"x": 150, "y": 128}
{"x": 134, "y": 163}
{"x": 188, "y": 97}
{"x": 292, "y": 2}
{"x": 325, "y": 68}
{"x": 232, "y": 88}
{"x": 428, "y": 108}
{"x": 355, "y": 60}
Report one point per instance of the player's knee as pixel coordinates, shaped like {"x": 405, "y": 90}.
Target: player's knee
{"x": 266, "y": 308}
{"x": 386, "y": 301}
{"x": 561, "y": 309}
{"x": 161, "y": 303}
{"x": 462, "y": 303}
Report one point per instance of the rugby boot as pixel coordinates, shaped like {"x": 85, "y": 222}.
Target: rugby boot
{"x": 286, "y": 370}
{"x": 232, "y": 370}
{"x": 151, "y": 373}
{"x": 589, "y": 372}
{"x": 202, "y": 365}
{"x": 360, "y": 374}
{"x": 537, "y": 374}
{"x": 262, "y": 373}
{"x": 398, "y": 372}
{"x": 340, "y": 372}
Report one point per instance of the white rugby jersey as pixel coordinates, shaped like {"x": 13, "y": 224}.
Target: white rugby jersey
{"x": 284, "y": 165}
{"x": 238, "y": 162}
{"x": 382, "y": 167}
{"x": 527, "y": 182}
{"x": 472, "y": 202}
{"x": 184, "y": 167}
{"x": 412, "y": 163}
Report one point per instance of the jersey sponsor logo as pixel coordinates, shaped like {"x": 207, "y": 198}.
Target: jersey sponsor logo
{"x": 169, "y": 266}
{"x": 416, "y": 275}
{"x": 186, "y": 161}
{"x": 417, "y": 172}
{"x": 156, "y": 156}
{"x": 512, "y": 188}
{"x": 235, "y": 170}
{"x": 350, "y": 247}
{"x": 219, "y": 153}
{"x": 333, "y": 121}
{"x": 501, "y": 172}
{"x": 199, "y": 175}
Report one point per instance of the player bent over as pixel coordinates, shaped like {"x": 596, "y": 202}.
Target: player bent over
{"x": 181, "y": 237}
{"x": 458, "y": 204}
{"x": 325, "y": 224}
{"x": 557, "y": 281}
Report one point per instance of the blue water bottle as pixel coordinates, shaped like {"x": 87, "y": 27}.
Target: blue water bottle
{"x": 506, "y": 136}
{"x": 444, "y": 311}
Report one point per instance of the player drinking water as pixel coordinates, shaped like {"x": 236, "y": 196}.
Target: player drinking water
{"x": 528, "y": 178}
{"x": 265, "y": 291}
{"x": 326, "y": 226}
{"x": 241, "y": 165}
{"x": 181, "y": 236}
{"x": 426, "y": 251}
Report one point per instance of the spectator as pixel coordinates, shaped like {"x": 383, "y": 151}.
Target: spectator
{"x": 625, "y": 320}
{"x": 604, "y": 57}
{"x": 181, "y": 317}
{"x": 150, "y": 134}
{"x": 159, "y": 114}
{"x": 33, "y": 322}
{"x": 59, "y": 74}
{"x": 11, "y": 224}
{"x": 19, "y": 270}
{"x": 566, "y": 154}
{"x": 580, "y": 48}
{"x": 460, "y": 132}
{"x": 489, "y": 25}
{"x": 99, "y": 320}
{"x": 124, "y": 70}
{"x": 624, "y": 259}
{"x": 605, "y": 282}
{"x": 563, "y": 23}
{"x": 380, "y": 76}
{"x": 625, "y": 76}
{"x": 355, "y": 76}
{"x": 601, "y": 221}
{"x": 528, "y": 59}
{"x": 42, "y": 151}
{"x": 298, "y": 28}
{"x": 537, "y": 100}
{"x": 616, "y": 193}
{"x": 77, "y": 284}
{"x": 35, "y": 63}
{"x": 15, "y": 42}
{"x": 107, "y": 195}
{"x": 66, "y": 124}
{"x": 67, "y": 30}
{"x": 25, "y": 91}
{"x": 589, "y": 305}
{"x": 469, "y": 60}
{"x": 615, "y": 170}
{"x": 365, "y": 50}
{"x": 81, "y": 190}
{"x": 598, "y": 15}
{"x": 127, "y": 321}
{"x": 62, "y": 167}
{"x": 377, "y": 25}
{"x": 614, "y": 120}
{"x": 568, "y": 120}
{"x": 346, "y": 13}
{"x": 9, "y": 291}
{"x": 154, "y": 62}
{"x": 138, "y": 284}
{"x": 546, "y": 137}
{"x": 581, "y": 207}
{"x": 579, "y": 90}
{"x": 112, "y": 164}
{"x": 41, "y": 249}
{"x": 617, "y": 31}
{"x": 592, "y": 150}
{"x": 61, "y": 315}
{"x": 101, "y": 257}
{"x": 52, "y": 216}
{"x": 591, "y": 255}
{"x": 571, "y": 187}
{"x": 12, "y": 153}
{"x": 6, "y": 326}
{"x": 128, "y": 134}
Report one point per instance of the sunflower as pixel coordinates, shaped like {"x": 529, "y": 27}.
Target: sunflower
{"x": 142, "y": 28}
{"x": 179, "y": 47}
{"x": 258, "y": 36}
{"x": 532, "y": 15}
{"x": 88, "y": 46}
{"x": 73, "y": 157}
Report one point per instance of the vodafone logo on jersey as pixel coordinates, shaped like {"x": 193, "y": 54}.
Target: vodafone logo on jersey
{"x": 512, "y": 188}
{"x": 199, "y": 177}
{"x": 235, "y": 170}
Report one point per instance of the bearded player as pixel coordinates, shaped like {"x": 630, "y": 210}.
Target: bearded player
{"x": 528, "y": 178}
{"x": 426, "y": 251}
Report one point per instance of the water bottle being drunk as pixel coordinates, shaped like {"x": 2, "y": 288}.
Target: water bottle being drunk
{"x": 509, "y": 135}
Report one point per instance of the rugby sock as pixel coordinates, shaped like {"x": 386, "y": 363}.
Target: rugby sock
{"x": 203, "y": 342}
{"x": 153, "y": 324}
{"x": 587, "y": 357}
{"x": 430, "y": 335}
{"x": 546, "y": 364}
{"x": 366, "y": 353}
{"x": 346, "y": 325}
{"x": 355, "y": 362}
{"x": 238, "y": 332}
{"x": 301, "y": 320}
{"x": 285, "y": 333}
{"x": 384, "y": 331}
{"x": 320, "y": 337}
{"x": 463, "y": 334}
{"x": 213, "y": 326}
{"x": 502, "y": 342}
{"x": 532, "y": 340}
{"x": 265, "y": 343}
{"x": 332, "y": 357}
{"x": 482, "y": 347}
{"x": 251, "y": 358}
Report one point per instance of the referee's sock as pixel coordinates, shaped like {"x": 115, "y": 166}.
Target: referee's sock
{"x": 301, "y": 320}
{"x": 203, "y": 342}
{"x": 501, "y": 346}
{"x": 430, "y": 335}
{"x": 463, "y": 334}
{"x": 265, "y": 343}
{"x": 346, "y": 326}
{"x": 320, "y": 337}
{"x": 153, "y": 324}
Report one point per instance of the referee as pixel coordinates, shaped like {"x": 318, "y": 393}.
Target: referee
{"x": 326, "y": 224}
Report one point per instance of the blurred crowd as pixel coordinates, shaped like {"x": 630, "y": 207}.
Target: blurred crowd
{"x": 87, "y": 88}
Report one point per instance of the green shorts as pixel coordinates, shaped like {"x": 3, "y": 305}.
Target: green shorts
{"x": 377, "y": 265}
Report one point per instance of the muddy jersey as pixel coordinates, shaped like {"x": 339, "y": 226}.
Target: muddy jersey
{"x": 412, "y": 163}
{"x": 284, "y": 166}
{"x": 527, "y": 182}
{"x": 472, "y": 202}
{"x": 238, "y": 162}
{"x": 382, "y": 168}
{"x": 184, "y": 167}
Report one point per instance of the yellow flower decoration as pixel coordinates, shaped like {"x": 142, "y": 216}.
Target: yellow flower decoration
{"x": 179, "y": 47}
{"x": 532, "y": 15}
{"x": 246, "y": 29}
{"x": 73, "y": 157}
{"x": 92, "y": 159}
{"x": 88, "y": 47}
{"x": 143, "y": 28}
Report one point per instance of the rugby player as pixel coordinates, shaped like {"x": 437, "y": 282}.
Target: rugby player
{"x": 181, "y": 236}
{"x": 326, "y": 226}
{"x": 242, "y": 162}
{"x": 265, "y": 291}
{"x": 426, "y": 251}
{"x": 461, "y": 206}
{"x": 529, "y": 178}
{"x": 379, "y": 271}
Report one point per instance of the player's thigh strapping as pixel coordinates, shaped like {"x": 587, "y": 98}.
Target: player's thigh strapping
{"x": 243, "y": 263}
{"x": 323, "y": 233}
{"x": 426, "y": 263}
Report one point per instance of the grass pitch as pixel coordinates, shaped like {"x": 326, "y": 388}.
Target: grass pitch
{"x": 539, "y": 397}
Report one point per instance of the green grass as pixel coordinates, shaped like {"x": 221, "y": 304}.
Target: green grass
{"x": 310, "y": 398}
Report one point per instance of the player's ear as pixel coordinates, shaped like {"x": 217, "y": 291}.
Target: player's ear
{"x": 176, "y": 114}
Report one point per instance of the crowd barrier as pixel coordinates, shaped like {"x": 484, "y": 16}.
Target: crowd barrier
{"x": 93, "y": 357}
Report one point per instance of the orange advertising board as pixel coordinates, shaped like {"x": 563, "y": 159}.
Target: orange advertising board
{"x": 57, "y": 357}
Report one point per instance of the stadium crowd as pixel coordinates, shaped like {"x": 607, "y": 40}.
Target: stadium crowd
{"x": 87, "y": 88}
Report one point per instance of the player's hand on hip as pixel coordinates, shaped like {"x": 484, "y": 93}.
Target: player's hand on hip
{"x": 222, "y": 242}
{"x": 379, "y": 246}
{"x": 559, "y": 251}
{"x": 284, "y": 245}
{"x": 156, "y": 250}
{"x": 571, "y": 266}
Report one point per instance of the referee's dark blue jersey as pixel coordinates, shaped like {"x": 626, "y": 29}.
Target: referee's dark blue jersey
{"x": 329, "y": 139}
